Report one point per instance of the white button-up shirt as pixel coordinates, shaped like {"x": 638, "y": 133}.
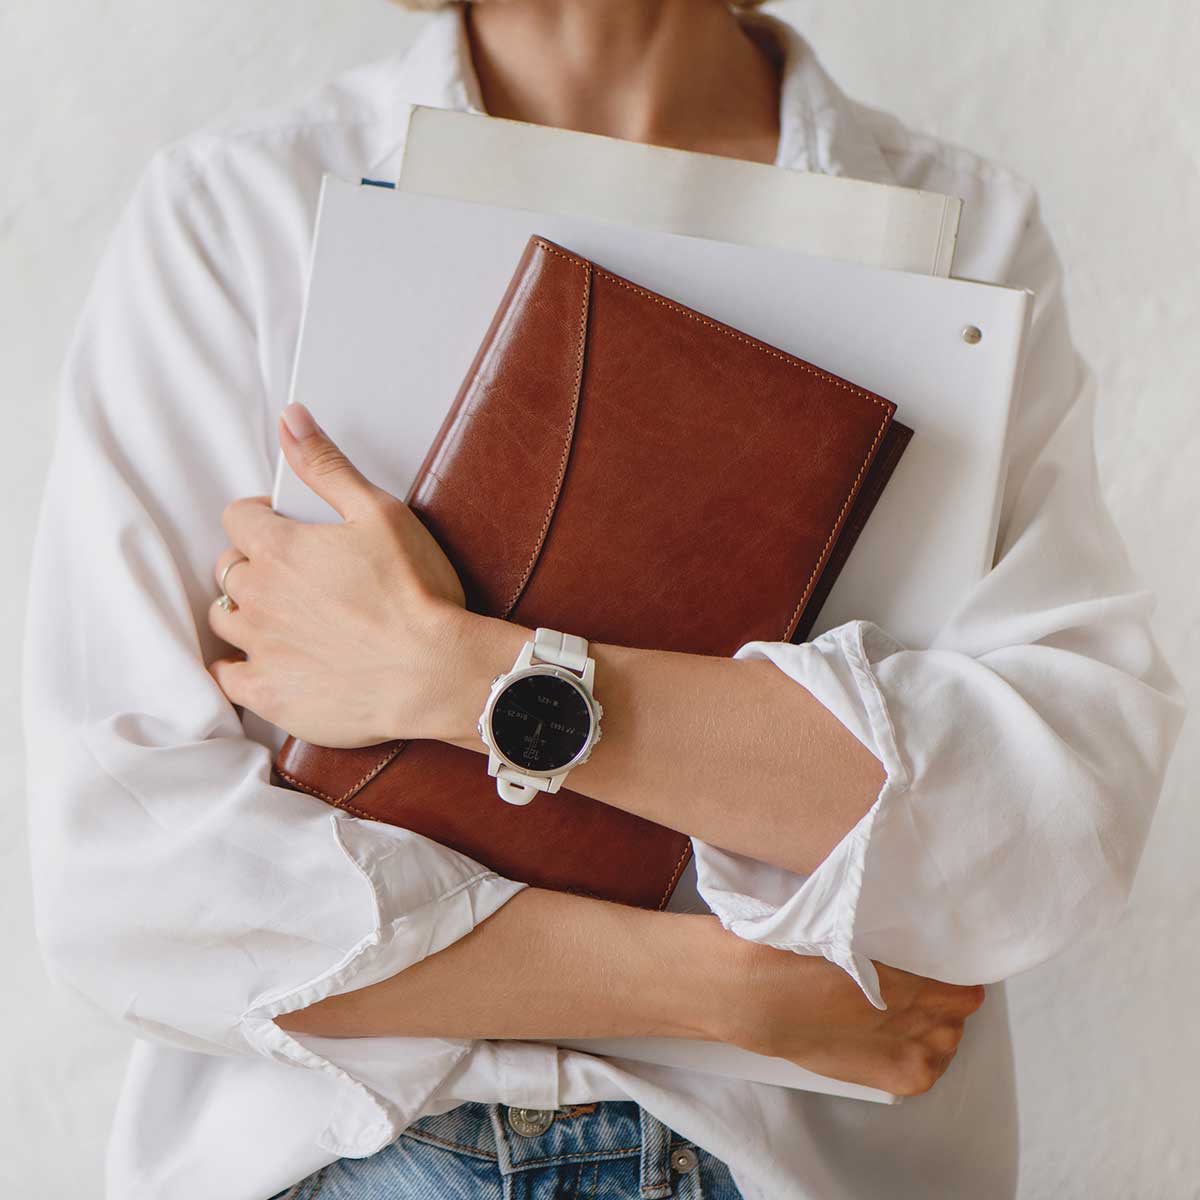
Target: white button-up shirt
{"x": 188, "y": 898}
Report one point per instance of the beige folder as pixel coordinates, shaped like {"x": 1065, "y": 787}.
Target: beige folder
{"x": 514, "y": 164}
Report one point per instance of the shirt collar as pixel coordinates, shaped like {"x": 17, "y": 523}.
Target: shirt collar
{"x": 820, "y": 129}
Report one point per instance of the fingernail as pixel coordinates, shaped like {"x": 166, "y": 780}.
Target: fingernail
{"x": 299, "y": 421}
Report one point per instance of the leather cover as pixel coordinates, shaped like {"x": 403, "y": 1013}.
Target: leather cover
{"x": 621, "y": 467}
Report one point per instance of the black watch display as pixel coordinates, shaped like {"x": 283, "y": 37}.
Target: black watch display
{"x": 541, "y": 719}
{"x": 541, "y": 722}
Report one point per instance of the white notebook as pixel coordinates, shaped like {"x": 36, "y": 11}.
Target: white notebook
{"x": 402, "y": 288}
{"x": 515, "y": 164}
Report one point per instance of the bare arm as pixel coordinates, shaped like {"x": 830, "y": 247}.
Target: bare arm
{"x": 731, "y": 751}
{"x": 549, "y": 965}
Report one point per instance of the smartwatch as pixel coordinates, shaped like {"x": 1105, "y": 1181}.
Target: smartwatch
{"x": 541, "y": 718}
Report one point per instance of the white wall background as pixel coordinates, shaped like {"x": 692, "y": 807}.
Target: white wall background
{"x": 1096, "y": 101}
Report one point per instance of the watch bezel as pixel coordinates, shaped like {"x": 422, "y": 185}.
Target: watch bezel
{"x": 511, "y": 677}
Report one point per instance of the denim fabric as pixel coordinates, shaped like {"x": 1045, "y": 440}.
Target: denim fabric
{"x": 604, "y": 1151}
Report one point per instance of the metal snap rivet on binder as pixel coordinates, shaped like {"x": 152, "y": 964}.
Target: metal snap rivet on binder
{"x": 972, "y": 334}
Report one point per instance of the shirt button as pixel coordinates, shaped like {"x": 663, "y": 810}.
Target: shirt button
{"x": 530, "y": 1122}
{"x": 684, "y": 1160}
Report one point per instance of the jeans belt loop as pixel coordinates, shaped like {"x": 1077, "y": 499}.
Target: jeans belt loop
{"x": 655, "y": 1176}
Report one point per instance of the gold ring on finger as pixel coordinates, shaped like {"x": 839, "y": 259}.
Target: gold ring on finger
{"x": 225, "y": 600}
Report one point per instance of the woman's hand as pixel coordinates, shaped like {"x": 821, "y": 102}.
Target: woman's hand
{"x": 806, "y": 1009}
{"x": 350, "y": 633}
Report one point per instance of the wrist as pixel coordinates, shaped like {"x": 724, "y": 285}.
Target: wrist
{"x": 476, "y": 650}
{"x": 708, "y": 971}
{"x": 782, "y": 1001}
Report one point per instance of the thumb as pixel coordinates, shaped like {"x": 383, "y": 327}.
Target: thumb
{"x": 319, "y": 463}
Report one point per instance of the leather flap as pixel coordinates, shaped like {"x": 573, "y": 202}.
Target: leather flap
{"x": 490, "y": 483}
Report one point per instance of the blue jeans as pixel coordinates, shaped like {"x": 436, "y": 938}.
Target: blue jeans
{"x": 612, "y": 1150}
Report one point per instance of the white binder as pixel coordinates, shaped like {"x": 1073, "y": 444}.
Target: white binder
{"x": 402, "y": 288}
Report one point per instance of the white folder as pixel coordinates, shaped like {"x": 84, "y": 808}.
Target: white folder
{"x": 402, "y": 288}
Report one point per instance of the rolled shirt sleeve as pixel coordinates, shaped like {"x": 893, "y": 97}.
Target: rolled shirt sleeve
{"x": 176, "y": 888}
{"x": 1024, "y": 748}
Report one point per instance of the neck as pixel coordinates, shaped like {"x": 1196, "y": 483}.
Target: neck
{"x": 678, "y": 73}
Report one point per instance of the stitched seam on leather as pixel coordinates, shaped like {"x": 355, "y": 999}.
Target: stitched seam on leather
{"x": 787, "y": 633}
{"x": 337, "y": 801}
{"x": 725, "y": 329}
{"x": 383, "y": 762}
{"x": 791, "y": 361}
{"x": 687, "y": 853}
{"x": 886, "y": 465}
{"x": 566, "y": 451}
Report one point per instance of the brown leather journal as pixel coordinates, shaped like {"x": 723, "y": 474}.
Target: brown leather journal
{"x": 621, "y": 467}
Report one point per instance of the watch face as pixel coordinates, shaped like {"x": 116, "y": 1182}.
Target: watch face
{"x": 540, "y": 722}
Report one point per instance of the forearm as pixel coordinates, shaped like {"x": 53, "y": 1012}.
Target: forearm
{"x": 552, "y": 965}
{"x": 728, "y": 750}
{"x": 549, "y": 966}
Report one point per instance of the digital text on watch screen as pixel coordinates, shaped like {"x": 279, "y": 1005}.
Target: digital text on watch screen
{"x": 540, "y": 722}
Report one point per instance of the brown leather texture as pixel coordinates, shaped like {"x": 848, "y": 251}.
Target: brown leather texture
{"x": 622, "y": 467}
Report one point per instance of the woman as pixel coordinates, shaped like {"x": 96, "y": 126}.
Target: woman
{"x": 309, "y": 989}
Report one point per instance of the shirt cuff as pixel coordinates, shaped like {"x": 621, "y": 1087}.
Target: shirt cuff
{"x": 815, "y": 914}
{"x": 397, "y": 934}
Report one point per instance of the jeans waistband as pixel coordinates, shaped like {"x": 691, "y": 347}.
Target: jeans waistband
{"x": 520, "y": 1139}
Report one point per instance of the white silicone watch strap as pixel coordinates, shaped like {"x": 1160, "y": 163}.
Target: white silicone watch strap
{"x": 560, "y": 649}
{"x": 516, "y": 787}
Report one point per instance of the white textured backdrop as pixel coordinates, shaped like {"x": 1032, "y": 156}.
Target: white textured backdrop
{"x": 1095, "y": 101}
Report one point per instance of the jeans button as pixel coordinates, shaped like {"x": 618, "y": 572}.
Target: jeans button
{"x": 530, "y": 1122}
{"x": 684, "y": 1160}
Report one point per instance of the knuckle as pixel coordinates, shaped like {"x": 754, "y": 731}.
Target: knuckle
{"x": 919, "y": 1069}
{"x": 944, "y": 1038}
{"x": 927, "y": 1073}
{"x": 390, "y": 507}
{"x": 269, "y": 553}
{"x": 233, "y": 513}
{"x": 379, "y": 507}
{"x": 326, "y": 459}
{"x": 270, "y": 546}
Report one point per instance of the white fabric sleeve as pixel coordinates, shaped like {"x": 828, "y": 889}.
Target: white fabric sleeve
{"x": 1024, "y": 749}
{"x": 175, "y": 887}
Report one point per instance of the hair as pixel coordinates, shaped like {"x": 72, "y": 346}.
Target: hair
{"x": 429, "y": 4}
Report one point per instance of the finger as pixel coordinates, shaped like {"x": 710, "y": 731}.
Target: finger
{"x": 321, "y": 465}
{"x": 228, "y": 559}
{"x": 232, "y": 676}
{"x": 230, "y": 627}
{"x": 251, "y": 524}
